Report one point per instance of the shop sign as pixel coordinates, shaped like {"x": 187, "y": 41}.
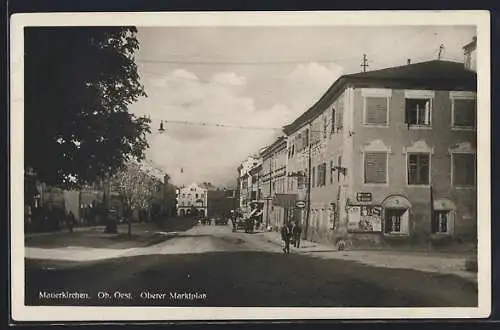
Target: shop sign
{"x": 300, "y": 204}
{"x": 364, "y": 218}
{"x": 284, "y": 200}
{"x": 364, "y": 196}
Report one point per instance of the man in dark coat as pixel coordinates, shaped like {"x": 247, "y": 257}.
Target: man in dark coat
{"x": 286, "y": 236}
{"x": 296, "y": 232}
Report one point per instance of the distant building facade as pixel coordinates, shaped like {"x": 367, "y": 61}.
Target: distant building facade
{"x": 246, "y": 186}
{"x": 220, "y": 202}
{"x": 274, "y": 181}
{"x": 192, "y": 200}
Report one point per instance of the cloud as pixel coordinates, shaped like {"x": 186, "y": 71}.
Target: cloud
{"x": 308, "y": 82}
{"x": 229, "y": 78}
{"x": 203, "y": 152}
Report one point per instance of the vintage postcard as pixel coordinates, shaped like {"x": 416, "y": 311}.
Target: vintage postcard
{"x": 250, "y": 165}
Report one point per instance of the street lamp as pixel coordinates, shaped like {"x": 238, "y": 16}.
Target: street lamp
{"x": 161, "y": 129}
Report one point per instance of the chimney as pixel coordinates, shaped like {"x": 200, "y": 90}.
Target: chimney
{"x": 409, "y": 61}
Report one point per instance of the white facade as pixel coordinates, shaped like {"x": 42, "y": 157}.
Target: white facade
{"x": 245, "y": 181}
{"x": 190, "y": 198}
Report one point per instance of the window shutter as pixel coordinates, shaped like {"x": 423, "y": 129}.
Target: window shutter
{"x": 375, "y": 167}
{"x": 463, "y": 169}
{"x": 405, "y": 222}
{"x": 464, "y": 113}
{"x": 376, "y": 110}
{"x": 451, "y": 222}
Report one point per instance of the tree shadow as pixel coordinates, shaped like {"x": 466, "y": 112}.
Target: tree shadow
{"x": 143, "y": 235}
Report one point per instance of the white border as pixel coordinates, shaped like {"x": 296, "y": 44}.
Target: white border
{"x": 478, "y": 18}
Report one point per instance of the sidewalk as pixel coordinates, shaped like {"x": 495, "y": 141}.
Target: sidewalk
{"x": 91, "y": 243}
{"x": 452, "y": 264}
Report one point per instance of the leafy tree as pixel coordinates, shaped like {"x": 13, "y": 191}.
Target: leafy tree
{"x": 79, "y": 82}
{"x": 136, "y": 188}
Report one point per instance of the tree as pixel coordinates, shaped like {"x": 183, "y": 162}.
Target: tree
{"x": 136, "y": 189}
{"x": 79, "y": 82}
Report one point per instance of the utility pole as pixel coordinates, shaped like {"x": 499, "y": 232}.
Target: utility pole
{"x": 441, "y": 48}
{"x": 364, "y": 64}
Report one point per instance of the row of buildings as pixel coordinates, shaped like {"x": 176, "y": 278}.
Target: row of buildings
{"x": 47, "y": 208}
{"x": 204, "y": 200}
{"x": 383, "y": 157}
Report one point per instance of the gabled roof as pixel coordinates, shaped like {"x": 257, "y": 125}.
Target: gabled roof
{"x": 431, "y": 75}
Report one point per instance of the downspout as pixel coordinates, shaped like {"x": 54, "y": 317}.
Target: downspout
{"x": 270, "y": 189}
{"x": 308, "y": 184}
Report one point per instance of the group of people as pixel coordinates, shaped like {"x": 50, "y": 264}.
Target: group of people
{"x": 290, "y": 234}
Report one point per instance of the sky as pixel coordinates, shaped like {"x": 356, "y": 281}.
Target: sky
{"x": 258, "y": 77}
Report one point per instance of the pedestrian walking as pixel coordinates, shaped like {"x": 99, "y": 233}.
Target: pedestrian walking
{"x": 71, "y": 221}
{"x": 296, "y": 233}
{"x": 286, "y": 235}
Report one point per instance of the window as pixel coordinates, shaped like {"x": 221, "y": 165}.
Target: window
{"x": 321, "y": 179}
{"x": 313, "y": 178}
{"x": 375, "y": 167}
{"x": 331, "y": 172}
{"x": 464, "y": 113}
{"x": 418, "y": 168}
{"x": 396, "y": 221}
{"x": 323, "y": 182}
{"x": 300, "y": 182}
{"x": 196, "y": 195}
{"x": 441, "y": 221}
{"x": 340, "y": 115}
{"x": 463, "y": 169}
{"x": 332, "y": 130}
{"x": 376, "y": 110}
{"x": 299, "y": 142}
{"x": 325, "y": 126}
{"x": 306, "y": 138}
{"x": 418, "y": 111}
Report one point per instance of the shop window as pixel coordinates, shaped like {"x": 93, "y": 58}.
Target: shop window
{"x": 375, "y": 167}
{"x": 441, "y": 221}
{"x": 418, "y": 168}
{"x": 396, "y": 221}
{"x": 418, "y": 111}
{"x": 463, "y": 169}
